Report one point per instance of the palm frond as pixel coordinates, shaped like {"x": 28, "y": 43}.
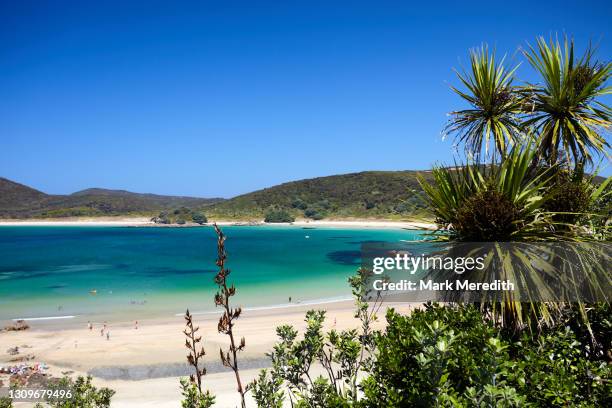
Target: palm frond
{"x": 494, "y": 116}
{"x": 563, "y": 109}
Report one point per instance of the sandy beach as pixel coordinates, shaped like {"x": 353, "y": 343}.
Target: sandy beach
{"x": 143, "y": 221}
{"x": 143, "y": 365}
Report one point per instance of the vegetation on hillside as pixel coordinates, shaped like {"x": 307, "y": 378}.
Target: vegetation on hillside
{"x": 19, "y": 201}
{"x": 181, "y": 216}
{"x": 276, "y": 215}
{"x": 370, "y": 194}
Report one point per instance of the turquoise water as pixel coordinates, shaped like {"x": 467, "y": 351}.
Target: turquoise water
{"x": 140, "y": 272}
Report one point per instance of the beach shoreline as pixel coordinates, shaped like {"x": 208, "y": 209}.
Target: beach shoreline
{"x": 146, "y": 222}
{"x": 133, "y": 359}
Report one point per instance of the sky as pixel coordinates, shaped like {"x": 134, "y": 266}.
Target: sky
{"x": 221, "y": 98}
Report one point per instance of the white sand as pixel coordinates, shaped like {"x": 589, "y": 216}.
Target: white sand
{"x": 136, "y": 222}
{"x": 160, "y": 341}
{"x": 99, "y": 221}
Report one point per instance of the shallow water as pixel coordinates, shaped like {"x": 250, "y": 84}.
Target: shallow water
{"x": 140, "y": 272}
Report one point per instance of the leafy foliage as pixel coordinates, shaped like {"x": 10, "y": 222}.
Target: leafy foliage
{"x": 367, "y": 194}
{"x": 267, "y": 391}
{"x": 180, "y": 216}
{"x": 493, "y": 118}
{"x": 193, "y": 397}
{"x": 481, "y": 203}
{"x": 84, "y": 394}
{"x": 199, "y": 218}
{"x": 344, "y": 355}
{"x": 450, "y": 356}
{"x": 278, "y": 215}
{"x": 564, "y": 109}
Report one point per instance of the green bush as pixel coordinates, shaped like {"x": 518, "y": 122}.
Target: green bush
{"x": 450, "y": 356}
{"x": 278, "y": 215}
{"x": 314, "y": 213}
{"x": 299, "y": 204}
{"x": 193, "y": 397}
{"x": 84, "y": 394}
{"x": 6, "y": 402}
{"x": 556, "y": 372}
{"x": 199, "y": 218}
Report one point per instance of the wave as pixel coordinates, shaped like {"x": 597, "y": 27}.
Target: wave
{"x": 30, "y": 319}
{"x": 280, "y": 305}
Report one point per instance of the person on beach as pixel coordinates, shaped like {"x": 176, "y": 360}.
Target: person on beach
{"x": 289, "y": 299}
{"x": 136, "y": 325}
{"x": 102, "y": 332}
{"x": 108, "y": 335}
{"x": 89, "y": 326}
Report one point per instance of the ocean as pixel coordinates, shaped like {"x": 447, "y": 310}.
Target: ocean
{"x": 99, "y": 273}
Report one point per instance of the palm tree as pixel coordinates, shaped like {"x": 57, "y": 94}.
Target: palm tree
{"x": 494, "y": 116}
{"x": 564, "y": 110}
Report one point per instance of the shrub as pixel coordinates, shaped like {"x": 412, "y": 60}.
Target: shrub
{"x": 6, "y": 402}
{"x": 344, "y": 356}
{"x": 451, "y": 356}
{"x": 299, "y": 204}
{"x": 278, "y": 215}
{"x": 314, "y": 214}
{"x": 429, "y": 356}
{"x": 369, "y": 204}
{"x": 162, "y": 218}
{"x": 556, "y": 373}
{"x": 199, "y": 218}
{"x": 324, "y": 204}
{"x": 84, "y": 394}
{"x": 267, "y": 390}
{"x": 194, "y": 397}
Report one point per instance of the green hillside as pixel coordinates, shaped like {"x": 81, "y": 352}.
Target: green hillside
{"x": 376, "y": 194}
{"x": 19, "y": 201}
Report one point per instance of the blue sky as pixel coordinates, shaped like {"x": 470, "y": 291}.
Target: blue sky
{"x": 222, "y": 98}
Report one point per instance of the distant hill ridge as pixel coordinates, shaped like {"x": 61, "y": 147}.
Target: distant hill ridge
{"x": 20, "y": 201}
{"x": 384, "y": 194}
{"x": 381, "y": 194}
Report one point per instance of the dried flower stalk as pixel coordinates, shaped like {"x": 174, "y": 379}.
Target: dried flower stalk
{"x": 226, "y": 323}
{"x": 195, "y": 355}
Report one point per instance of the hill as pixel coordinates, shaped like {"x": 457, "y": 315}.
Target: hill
{"x": 14, "y": 195}
{"x": 20, "y": 201}
{"x": 388, "y": 194}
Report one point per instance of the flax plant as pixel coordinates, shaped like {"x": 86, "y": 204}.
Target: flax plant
{"x": 518, "y": 186}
